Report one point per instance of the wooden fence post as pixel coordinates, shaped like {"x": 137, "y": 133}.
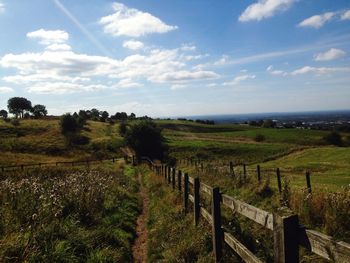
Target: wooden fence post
{"x": 169, "y": 174}
{"x": 179, "y": 174}
{"x": 196, "y": 205}
{"x": 113, "y": 160}
{"x": 231, "y": 168}
{"x": 216, "y": 227}
{"x": 279, "y": 180}
{"x": 173, "y": 178}
{"x": 244, "y": 172}
{"x": 285, "y": 238}
{"x": 186, "y": 192}
{"x": 308, "y": 182}
{"x": 258, "y": 172}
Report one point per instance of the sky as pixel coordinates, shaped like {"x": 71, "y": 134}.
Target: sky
{"x": 176, "y": 58}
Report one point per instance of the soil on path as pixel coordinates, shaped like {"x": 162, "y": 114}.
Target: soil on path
{"x": 139, "y": 249}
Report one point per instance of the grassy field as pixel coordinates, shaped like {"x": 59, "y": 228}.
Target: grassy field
{"x": 66, "y": 222}
{"x": 68, "y": 215}
{"x": 292, "y": 150}
{"x": 42, "y": 141}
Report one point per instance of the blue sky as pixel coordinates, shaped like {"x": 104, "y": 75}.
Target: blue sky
{"x": 171, "y": 58}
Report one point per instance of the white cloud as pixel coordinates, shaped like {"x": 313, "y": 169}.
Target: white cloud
{"x": 319, "y": 70}
{"x": 331, "y": 54}
{"x": 188, "y": 47}
{"x": 2, "y": 7}
{"x": 49, "y": 37}
{"x": 265, "y": 9}
{"x": 239, "y": 79}
{"x": 133, "y": 44}
{"x": 127, "y": 83}
{"x": 224, "y": 60}
{"x": 345, "y": 15}
{"x": 132, "y": 22}
{"x": 276, "y": 72}
{"x": 63, "y": 87}
{"x": 184, "y": 75}
{"x": 59, "y": 63}
{"x": 6, "y": 90}
{"x": 317, "y": 21}
{"x": 55, "y": 47}
{"x": 178, "y": 87}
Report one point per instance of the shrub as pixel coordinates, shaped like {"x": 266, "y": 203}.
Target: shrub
{"x": 69, "y": 124}
{"x": 122, "y": 128}
{"x": 259, "y": 138}
{"x": 146, "y": 139}
{"x": 333, "y": 138}
{"x": 15, "y": 122}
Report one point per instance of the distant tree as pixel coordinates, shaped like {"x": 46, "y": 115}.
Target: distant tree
{"x": 104, "y": 115}
{"x": 333, "y": 138}
{"x": 146, "y": 139}
{"x": 132, "y": 116}
{"x": 268, "y": 124}
{"x": 95, "y": 114}
{"x": 122, "y": 116}
{"x": 3, "y": 114}
{"x": 18, "y": 105}
{"x": 122, "y": 128}
{"x": 39, "y": 111}
{"x": 69, "y": 124}
{"x": 75, "y": 115}
{"x": 82, "y": 114}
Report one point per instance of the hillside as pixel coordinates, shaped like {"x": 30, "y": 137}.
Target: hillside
{"x": 291, "y": 150}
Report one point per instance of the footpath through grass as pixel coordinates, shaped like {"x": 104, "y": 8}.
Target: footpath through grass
{"x": 68, "y": 215}
{"x": 172, "y": 236}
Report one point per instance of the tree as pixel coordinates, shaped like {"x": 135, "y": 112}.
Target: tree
{"x": 3, "y": 114}
{"x": 333, "y": 138}
{"x": 146, "y": 139}
{"x": 269, "y": 124}
{"x": 69, "y": 124}
{"x": 39, "y": 111}
{"x": 122, "y": 128}
{"x": 104, "y": 115}
{"x": 18, "y": 105}
{"x": 132, "y": 116}
{"x": 121, "y": 116}
{"x": 95, "y": 114}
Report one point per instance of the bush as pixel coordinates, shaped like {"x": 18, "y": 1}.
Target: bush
{"x": 69, "y": 124}
{"x": 333, "y": 138}
{"x": 259, "y": 138}
{"x": 122, "y": 128}
{"x": 146, "y": 139}
{"x": 15, "y": 122}
{"x": 78, "y": 139}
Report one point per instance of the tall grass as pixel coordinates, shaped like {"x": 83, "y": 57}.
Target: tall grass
{"x": 65, "y": 215}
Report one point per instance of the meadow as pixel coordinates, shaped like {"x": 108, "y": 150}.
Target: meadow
{"x": 68, "y": 215}
{"x": 90, "y": 214}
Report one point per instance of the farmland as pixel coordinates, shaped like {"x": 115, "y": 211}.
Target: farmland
{"x": 72, "y": 229}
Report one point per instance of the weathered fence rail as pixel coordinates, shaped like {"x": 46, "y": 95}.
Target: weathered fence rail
{"x": 287, "y": 234}
{"x": 54, "y": 164}
{"x": 241, "y": 170}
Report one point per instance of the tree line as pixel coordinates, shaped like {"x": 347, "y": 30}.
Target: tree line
{"x": 22, "y": 108}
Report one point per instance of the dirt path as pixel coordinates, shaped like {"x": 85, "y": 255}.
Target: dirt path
{"x": 139, "y": 249}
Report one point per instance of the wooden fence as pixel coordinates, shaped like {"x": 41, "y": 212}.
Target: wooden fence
{"x": 54, "y": 164}
{"x": 287, "y": 233}
{"x": 231, "y": 170}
